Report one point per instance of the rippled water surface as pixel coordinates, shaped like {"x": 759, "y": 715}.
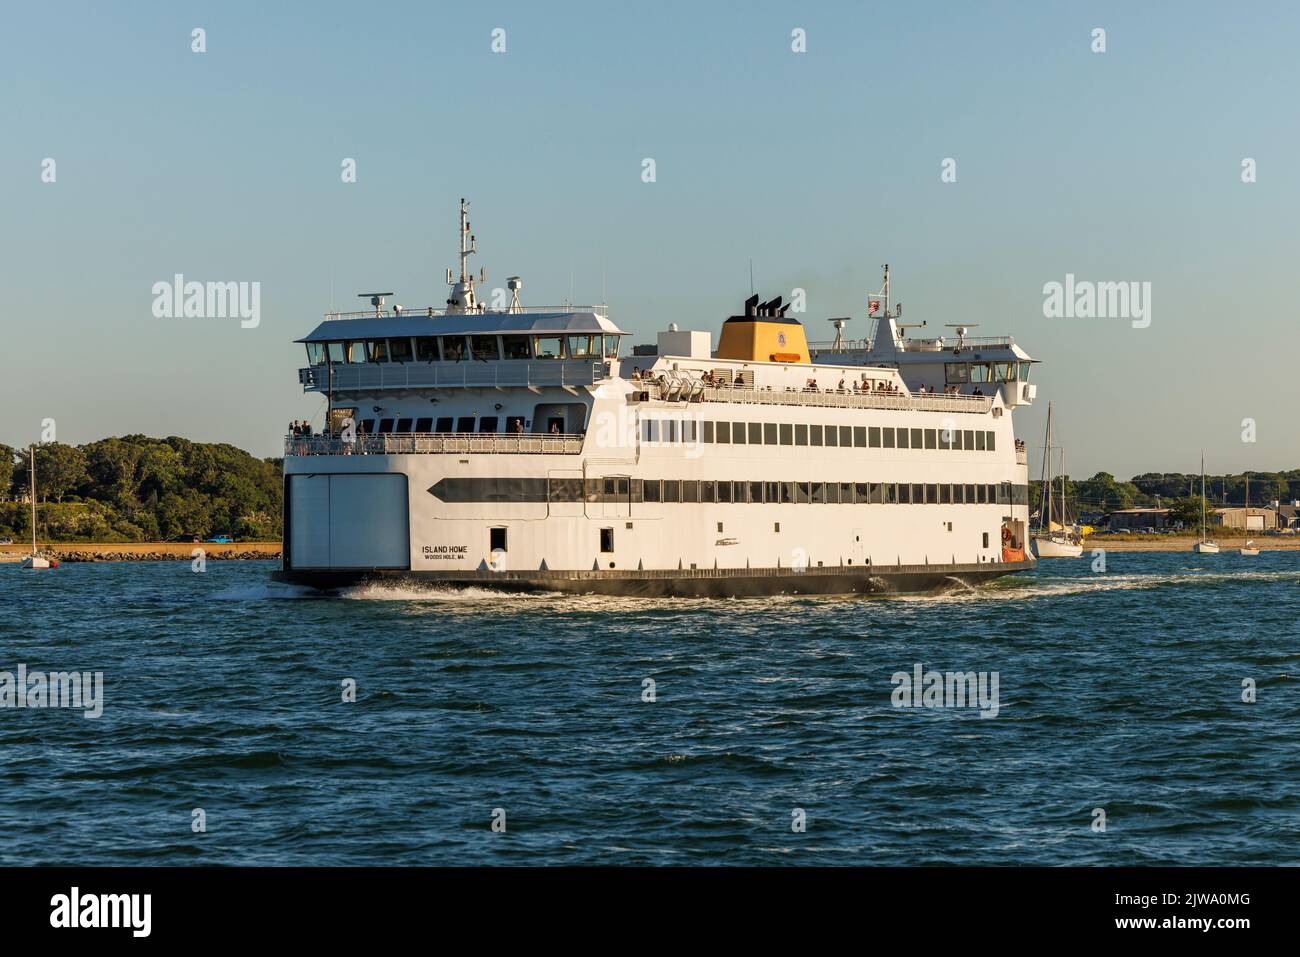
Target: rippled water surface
{"x": 1120, "y": 691}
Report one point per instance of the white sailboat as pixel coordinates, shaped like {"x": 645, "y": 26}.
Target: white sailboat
{"x": 1051, "y": 541}
{"x": 1249, "y": 549}
{"x": 1205, "y": 546}
{"x": 34, "y": 560}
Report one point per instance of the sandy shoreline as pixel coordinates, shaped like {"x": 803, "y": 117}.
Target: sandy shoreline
{"x": 142, "y": 551}
{"x": 1184, "y": 543}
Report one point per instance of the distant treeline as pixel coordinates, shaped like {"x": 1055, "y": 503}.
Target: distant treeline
{"x": 1104, "y": 493}
{"x": 137, "y": 488}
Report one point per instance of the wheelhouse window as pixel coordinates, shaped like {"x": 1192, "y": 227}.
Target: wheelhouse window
{"x": 404, "y": 425}
{"x": 399, "y": 350}
{"x": 548, "y": 347}
{"x": 584, "y": 347}
{"x": 611, "y": 347}
{"x": 515, "y": 347}
{"x": 453, "y": 348}
{"x": 379, "y": 350}
{"x": 315, "y": 353}
{"x": 488, "y": 423}
{"x": 465, "y": 424}
{"x": 423, "y": 425}
{"x": 336, "y": 352}
{"x": 426, "y": 349}
{"x": 1024, "y": 371}
{"x": 354, "y": 352}
{"x": 484, "y": 348}
{"x": 957, "y": 373}
{"x": 444, "y": 424}
{"x": 980, "y": 372}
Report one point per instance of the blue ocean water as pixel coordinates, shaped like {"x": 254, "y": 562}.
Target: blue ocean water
{"x": 1119, "y": 690}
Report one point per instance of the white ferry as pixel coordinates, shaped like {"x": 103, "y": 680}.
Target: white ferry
{"x": 530, "y": 449}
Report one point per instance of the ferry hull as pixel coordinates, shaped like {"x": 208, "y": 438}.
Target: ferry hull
{"x": 707, "y": 583}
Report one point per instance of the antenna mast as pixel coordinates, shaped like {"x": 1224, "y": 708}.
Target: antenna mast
{"x": 462, "y": 291}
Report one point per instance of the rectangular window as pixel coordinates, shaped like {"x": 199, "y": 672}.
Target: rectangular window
{"x": 670, "y": 431}
{"x": 903, "y": 437}
{"x": 918, "y": 494}
{"x": 444, "y": 424}
{"x": 957, "y": 373}
{"x": 465, "y": 423}
{"x": 956, "y": 439}
{"x": 945, "y": 494}
{"x": 981, "y": 494}
{"x": 379, "y": 350}
{"x": 708, "y": 433}
{"x": 802, "y": 493}
{"x": 723, "y": 432}
{"x": 979, "y": 441}
{"x": 399, "y": 350}
{"x": 833, "y": 493}
{"x": 889, "y": 437}
{"x": 970, "y": 494}
{"x": 787, "y": 433}
{"x": 945, "y": 438}
{"x": 859, "y": 436}
{"x": 606, "y": 540}
{"x": 916, "y": 438}
{"x": 385, "y": 425}
{"x": 877, "y": 493}
{"x": 650, "y": 490}
{"x": 815, "y": 435}
{"x": 988, "y": 441}
{"x": 404, "y": 425}
{"x": 737, "y": 433}
{"x": 738, "y": 491}
{"x": 846, "y": 436}
{"x": 769, "y": 433}
{"x": 873, "y": 437}
{"x": 991, "y": 493}
{"x": 862, "y": 493}
{"x": 968, "y": 439}
{"x": 787, "y": 493}
{"x": 756, "y": 492}
{"x": 653, "y": 434}
{"x": 932, "y": 494}
{"x": 423, "y": 425}
{"x": 832, "y": 436}
{"x": 488, "y": 423}
{"x": 931, "y": 439}
{"x": 890, "y": 493}
{"x": 817, "y": 494}
{"x": 690, "y": 491}
{"x": 453, "y": 348}
{"x": 772, "y": 492}
{"x": 426, "y": 349}
{"x": 544, "y": 347}
{"x": 986, "y": 539}
{"x": 801, "y": 435}
{"x": 515, "y": 347}
{"x": 755, "y": 433}
{"x": 708, "y": 492}
{"x": 496, "y": 539}
{"x": 724, "y": 492}
{"x": 689, "y": 429}
{"x": 672, "y": 490}
{"x": 846, "y": 493}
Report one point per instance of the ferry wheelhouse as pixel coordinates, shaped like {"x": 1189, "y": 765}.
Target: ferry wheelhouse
{"x": 530, "y": 449}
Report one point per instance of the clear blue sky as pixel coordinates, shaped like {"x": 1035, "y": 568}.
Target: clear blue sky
{"x": 226, "y": 166}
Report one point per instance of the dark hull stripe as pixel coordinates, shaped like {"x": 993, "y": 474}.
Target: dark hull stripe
{"x": 701, "y": 583}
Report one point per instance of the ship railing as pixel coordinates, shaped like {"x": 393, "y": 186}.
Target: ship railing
{"x": 471, "y": 373}
{"x": 947, "y": 344}
{"x": 848, "y": 399}
{"x": 435, "y": 443}
{"x": 408, "y": 312}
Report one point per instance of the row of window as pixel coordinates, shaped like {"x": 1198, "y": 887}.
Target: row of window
{"x": 689, "y": 431}
{"x": 462, "y": 348}
{"x": 617, "y": 489}
{"x": 446, "y": 423}
{"x": 959, "y": 373}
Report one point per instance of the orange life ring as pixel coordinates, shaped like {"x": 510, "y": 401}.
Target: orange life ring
{"x": 1006, "y": 534}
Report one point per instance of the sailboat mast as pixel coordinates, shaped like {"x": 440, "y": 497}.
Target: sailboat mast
{"x": 1202, "y": 496}
{"x": 1045, "y": 482}
{"x": 31, "y": 458}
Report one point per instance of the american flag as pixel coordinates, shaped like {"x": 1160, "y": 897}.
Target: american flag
{"x": 873, "y": 305}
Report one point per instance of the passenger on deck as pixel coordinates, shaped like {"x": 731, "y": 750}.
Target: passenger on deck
{"x": 740, "y": 379}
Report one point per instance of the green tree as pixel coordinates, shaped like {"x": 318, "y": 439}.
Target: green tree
{"x": 6, "y": 471}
